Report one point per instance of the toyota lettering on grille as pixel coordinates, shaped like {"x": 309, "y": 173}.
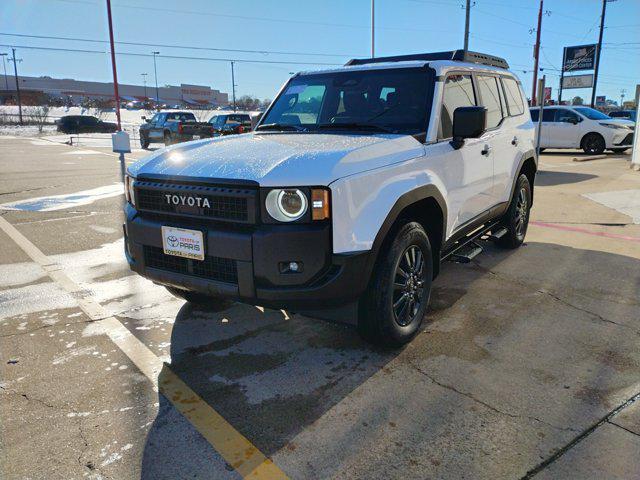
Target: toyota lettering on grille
{"x": 187, "y": 200}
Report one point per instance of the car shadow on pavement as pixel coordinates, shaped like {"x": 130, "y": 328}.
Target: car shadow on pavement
{"x": 548, "y": 178}
{"x": 272, "y": 376}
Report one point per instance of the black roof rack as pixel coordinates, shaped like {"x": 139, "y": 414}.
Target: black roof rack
{"x": 457, "y": 55}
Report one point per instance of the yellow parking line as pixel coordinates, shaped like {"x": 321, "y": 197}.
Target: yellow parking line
{"x": 239, "y": 452}
{"x": 236, "y": 449}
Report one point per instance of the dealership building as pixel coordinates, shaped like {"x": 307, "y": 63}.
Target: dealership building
{"x": 78, "y": 90}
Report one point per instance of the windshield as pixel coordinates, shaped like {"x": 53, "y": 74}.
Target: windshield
{"x": 591, "y": 114}
{"x": 393, "y": 100}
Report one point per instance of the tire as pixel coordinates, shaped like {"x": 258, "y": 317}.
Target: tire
{"x": 167, "y": 139}
{"x": 144, "y": 142}
{"x": 404, "y": 269}
{"x": 516, "y": 220}
{"x": 593, "y": 144}
{"x": 619, "y": 150}
{"x": 201, "y": 300}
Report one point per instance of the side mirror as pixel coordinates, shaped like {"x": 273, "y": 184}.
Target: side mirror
{"x": 468, "y": 122}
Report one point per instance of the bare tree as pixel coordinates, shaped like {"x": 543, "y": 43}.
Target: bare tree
{"x": 39, "y": 116}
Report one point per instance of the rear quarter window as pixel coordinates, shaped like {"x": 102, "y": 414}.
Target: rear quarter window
{"x": 514, "y": 97}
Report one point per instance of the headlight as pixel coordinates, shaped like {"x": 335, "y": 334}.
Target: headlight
{"x": 286, "y": 205}
{"x": 614, "y": 126}
{"x": 128, "y": 190}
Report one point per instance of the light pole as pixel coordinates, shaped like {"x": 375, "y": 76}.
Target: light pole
{"x": 4, "y": 65}
{"x": 598, "y": 51}
{"x": 15, "y": 70}
{"x": 144, "y": 80}
{"x": 373, "y": 29}
{"x": 116, "y": 95}
{"x": 155, "y": 71}
{"x": 233, "y": 86}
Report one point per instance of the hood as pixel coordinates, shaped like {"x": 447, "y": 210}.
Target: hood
{"x": 280, "y": 159}
{"x": 620, "y": 121}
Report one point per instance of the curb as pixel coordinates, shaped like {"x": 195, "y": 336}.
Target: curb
{"x": 588, "y": 159}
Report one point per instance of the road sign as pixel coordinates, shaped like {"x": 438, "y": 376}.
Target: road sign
{"x": 579, "y": 57}
{"x": 578, "y": 81}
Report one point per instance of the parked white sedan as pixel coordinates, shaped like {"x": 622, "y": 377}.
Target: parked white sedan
{"x": 583, "y": 127}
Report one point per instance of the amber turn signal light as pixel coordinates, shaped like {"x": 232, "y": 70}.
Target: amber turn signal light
{"x": 320, "y": 204}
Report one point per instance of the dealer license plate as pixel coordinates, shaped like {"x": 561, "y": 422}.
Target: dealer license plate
{"x": 181, "y": 242}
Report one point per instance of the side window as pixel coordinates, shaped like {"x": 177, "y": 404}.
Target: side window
{"x": 535, "y": 115}
{"x": 566, "y": 116}
{"x": 213, "y": 120}
{"x": 548, "y": 115}
{"x": 458, "y": 92}
{"x": 488, "y": 88}
{"x": 514, "y": 96}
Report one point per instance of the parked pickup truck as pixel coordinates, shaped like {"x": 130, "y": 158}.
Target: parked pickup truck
{"x": 355, "y": 186}
{"x": 173, "y": 127}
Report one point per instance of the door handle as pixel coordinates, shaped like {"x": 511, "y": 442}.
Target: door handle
{"x": 514, "y": 142}
{"x": 486, "y": 150}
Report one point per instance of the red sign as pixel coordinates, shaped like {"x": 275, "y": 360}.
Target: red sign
{"x": 547, "y": 94}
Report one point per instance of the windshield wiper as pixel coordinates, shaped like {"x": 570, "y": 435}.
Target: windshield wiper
{"x": 280, "y": 126}
{"x": 354, "y": 126}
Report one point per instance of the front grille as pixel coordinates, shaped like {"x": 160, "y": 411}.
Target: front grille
{"x": 212, "y": 268}
{"x": 215, "y": 203}
{"x": 626, "y": 140}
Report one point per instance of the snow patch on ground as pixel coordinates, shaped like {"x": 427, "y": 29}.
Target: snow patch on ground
{"x": 61, "y": 202}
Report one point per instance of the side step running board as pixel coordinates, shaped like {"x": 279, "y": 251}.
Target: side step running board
{"x": 467, "y": 253}
{"x": 498, "y": 233}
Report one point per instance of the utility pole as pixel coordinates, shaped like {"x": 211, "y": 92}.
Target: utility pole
{"x": 113, "y": 65}
{"x": 622, "y": 92}
{"x": 15, "y": 71}
{"x": 536, "y": 55}
{"x": 155, "y": 71}
{"x": 4, "y": 65}
{"x": 373, "y": 29}
{"x": 598, "y": 49}
{"x": 144, "y": 80}
{"x": 233, "y": 86}
{"x": 466, "y": 26}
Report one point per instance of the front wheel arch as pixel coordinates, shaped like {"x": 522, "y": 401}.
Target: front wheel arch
{"x": 592, "y": 134}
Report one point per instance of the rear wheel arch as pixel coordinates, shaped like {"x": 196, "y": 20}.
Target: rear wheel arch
{"x": 529, "y": 168}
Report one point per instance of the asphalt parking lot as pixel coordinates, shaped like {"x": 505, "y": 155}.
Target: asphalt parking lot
{"x": 528, "y": 365}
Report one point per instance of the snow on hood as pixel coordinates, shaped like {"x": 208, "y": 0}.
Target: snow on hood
{"x": 280, "y": 159}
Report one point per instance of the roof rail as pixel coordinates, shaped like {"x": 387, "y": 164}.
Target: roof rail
{"x": 456, "y": 55}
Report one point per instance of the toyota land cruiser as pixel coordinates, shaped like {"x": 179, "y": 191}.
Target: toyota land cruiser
{"x": 355, "y": 185}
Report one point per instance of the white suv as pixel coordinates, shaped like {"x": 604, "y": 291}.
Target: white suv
{"x": 356, "y": 184}
{"x": 583, "y": 127}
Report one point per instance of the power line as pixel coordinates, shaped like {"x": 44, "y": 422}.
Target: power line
{"x": 178, "y": 57}
{"x": 185, "y": 47}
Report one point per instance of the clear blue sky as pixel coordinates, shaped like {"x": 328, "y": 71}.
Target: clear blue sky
{"x": 338, "y": 27}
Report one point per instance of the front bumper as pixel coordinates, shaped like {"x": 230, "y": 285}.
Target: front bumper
{"x": 251, "y": 259}
{"x": 625, "y": 141}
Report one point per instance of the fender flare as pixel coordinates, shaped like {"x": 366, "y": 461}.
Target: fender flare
{"x": 407, "y": 199}
{"x": 527, "y": 155}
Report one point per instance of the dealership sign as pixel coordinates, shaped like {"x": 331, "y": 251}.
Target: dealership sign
{"x": 579, "y": 57}
{"x": 601, "y": 100}
{"x": 578, "y": 81}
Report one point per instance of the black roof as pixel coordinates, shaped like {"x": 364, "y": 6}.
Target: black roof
{"x": 456, "y": 55}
